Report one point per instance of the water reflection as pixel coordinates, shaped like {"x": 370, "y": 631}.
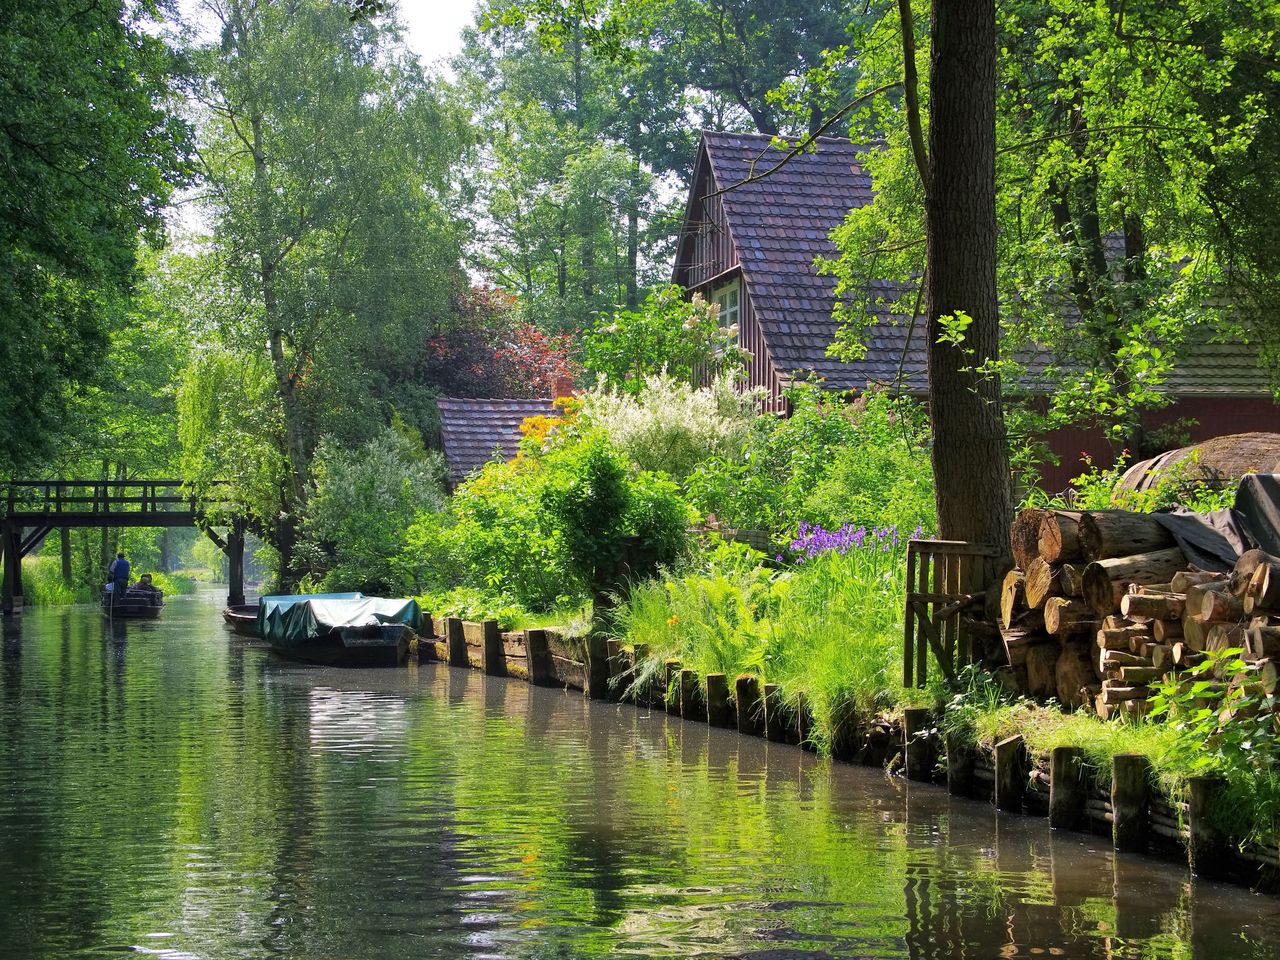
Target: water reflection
{"x": 169, "y": 789}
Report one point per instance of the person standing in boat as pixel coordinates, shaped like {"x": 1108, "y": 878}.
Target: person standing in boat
{"x": 118, "y": 574}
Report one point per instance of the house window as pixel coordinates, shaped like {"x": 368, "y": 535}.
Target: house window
{"x": 729, "y": 297}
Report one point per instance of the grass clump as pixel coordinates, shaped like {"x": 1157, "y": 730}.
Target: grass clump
{"x": 825, "y": 627}
{"x": 42, "y": 583}
{"x": 982, "y": 714}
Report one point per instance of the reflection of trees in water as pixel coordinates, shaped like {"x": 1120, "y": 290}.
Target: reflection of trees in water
{"x": 354, "y": 865}
{"x": 1060, "y": 894}
{"x": 250, "y": 806}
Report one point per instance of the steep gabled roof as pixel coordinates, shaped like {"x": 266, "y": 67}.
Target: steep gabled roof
{"x": 781, "y": 225}
{"x": 473, "y": 432}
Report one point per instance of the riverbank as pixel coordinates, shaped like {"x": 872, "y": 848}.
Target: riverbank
{"x": 43, "y": 584}
{"x": 1021, "y": 761}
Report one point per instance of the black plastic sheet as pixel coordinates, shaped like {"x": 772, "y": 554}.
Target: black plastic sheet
{"x": 1214, "y": 541}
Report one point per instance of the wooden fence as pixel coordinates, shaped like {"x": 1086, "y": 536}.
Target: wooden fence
{"x": 945, "y": 579}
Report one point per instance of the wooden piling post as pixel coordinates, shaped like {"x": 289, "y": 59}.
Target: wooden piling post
{"x": 1130, "y": 795}
{"x": 750, "y": 705}
{"x": 915, "y": 744}
{"x": 718, "y": 710}
{"x": 456, "y": 639}
{"x": 959, "y": 766}
{"x": 1011, "y": 773}
{"x": 1208, "y": 850}
{"x": 775, "y": 718}
{"x": 539, "y": 653}
{"x": 1066, "y": 787}
{"x": 691, "y": 707}
{"x": 597, "y": 667}
{"x": 625, "y": 676}
{"x": 671, "y": 691}
{"x": 492, "y": 655}
{"x": 805, "y": 723}
{"x": 235, "y": 562}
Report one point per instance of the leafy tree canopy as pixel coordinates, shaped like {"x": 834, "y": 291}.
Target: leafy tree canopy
{"x": 91, "y": 154}
{"x": 1128, "y": 137}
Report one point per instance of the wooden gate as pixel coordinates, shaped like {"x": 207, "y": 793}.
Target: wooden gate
{"x": 945, "y": 580}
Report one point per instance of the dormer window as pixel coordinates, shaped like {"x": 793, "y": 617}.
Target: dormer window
{"x": 729, "y": 298}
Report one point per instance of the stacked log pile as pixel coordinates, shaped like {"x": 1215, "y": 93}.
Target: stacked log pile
{"x": 1104, "y": 604}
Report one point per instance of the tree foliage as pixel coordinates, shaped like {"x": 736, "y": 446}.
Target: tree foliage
{"x": 326, "y": 156}
{"x": 91, "y": 153}
{"x": 492, "y": 351}
{"x": 360, "y": 505}
{"x": 667, "y": 335}
{"x": 1123, "y": 132}
{"x": 571, "y": 217}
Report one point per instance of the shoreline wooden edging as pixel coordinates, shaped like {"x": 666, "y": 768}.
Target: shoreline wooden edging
{"x": 1060, "y": 785}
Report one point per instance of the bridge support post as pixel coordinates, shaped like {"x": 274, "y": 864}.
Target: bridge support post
{"x": 12, "y": 579}
{"x": 235, "y": 563}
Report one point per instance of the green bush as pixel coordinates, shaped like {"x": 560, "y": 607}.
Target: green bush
{"x": 428, "y": 560}
{"x": 1182, "y": 484}
{"x": 612, "y": 526}
{"x": 501, "y": 540}
{"x": 561, "y": 523}
{"x": 884, "y": 477}
{"x": 362, "y": 503}
{"x": 864, "y": 462}
{"x": 670, "y": 426}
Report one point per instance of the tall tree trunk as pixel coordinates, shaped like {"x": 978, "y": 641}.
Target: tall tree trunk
{"x": 271, "y": 247}
{"x": 970, "y": 452}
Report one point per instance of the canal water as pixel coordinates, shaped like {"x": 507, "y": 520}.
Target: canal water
{"x": 170, "y": 790}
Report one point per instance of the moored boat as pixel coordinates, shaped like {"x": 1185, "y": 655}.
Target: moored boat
{"x": 341, "y": 630}
{"x": 242, "y": 618}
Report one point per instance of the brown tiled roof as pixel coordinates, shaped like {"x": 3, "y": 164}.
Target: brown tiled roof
{"x": 473, "y": 432}
{"x": 780, "y": 225}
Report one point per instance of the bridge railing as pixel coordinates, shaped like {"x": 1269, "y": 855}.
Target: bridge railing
{"x": 60, "y": 497}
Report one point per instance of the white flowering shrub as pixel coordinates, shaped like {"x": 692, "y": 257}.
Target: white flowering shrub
{"x": 670, "y": 426}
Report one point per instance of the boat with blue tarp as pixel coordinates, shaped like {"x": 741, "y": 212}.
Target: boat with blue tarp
{"x": 340, "y": 628}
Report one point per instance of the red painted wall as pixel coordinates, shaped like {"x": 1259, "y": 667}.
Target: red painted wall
{"x": 1216, "y": 416}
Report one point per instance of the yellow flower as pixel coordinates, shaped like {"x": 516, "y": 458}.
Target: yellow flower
{"x": 672, "y": 620}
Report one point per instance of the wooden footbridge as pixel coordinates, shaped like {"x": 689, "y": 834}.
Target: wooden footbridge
{"x": 35, "y": 508}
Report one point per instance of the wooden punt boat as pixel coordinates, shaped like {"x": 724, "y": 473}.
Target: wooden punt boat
{"x": 350, "y": 630}
{"x": 242, "y": 618}
{"x": 369, "y": 645}
{"x": 134, "y": 604}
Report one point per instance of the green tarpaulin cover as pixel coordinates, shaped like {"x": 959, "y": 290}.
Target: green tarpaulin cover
{"x": 292, "y": 621}
{"x": 271, "y": 609}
